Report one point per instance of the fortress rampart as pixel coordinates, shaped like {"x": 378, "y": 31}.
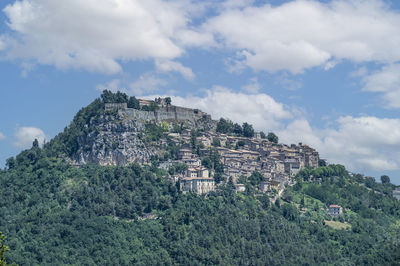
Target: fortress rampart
{"x": 161, "y": 114}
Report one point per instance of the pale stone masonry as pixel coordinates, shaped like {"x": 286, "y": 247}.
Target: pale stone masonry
{"x": 197, "y": 180}
{"x": 199, "y": 185}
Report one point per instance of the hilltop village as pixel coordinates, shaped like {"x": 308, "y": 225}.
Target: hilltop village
{"x": 277, "y": 163}
{"x": 206, "y": 157}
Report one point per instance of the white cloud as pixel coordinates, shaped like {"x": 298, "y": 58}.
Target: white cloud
{"x": 2, "y": 43}
{"x": 146, "y": 84}
{"x": 387, "y": 82}
{"x": 168, "y": 66}
{"x": 2, "y": 136}
{"x": 113, "y": 85}
{"x": 360, "y": 72}
{"x": 95, "y": 34}
{"x": 359, "y": 143}
{"x": 253, "y": 86}
{"x": 24, "y": 136}
{"x": 259, "y": 109}
{"x": 289, "y": 83}
{"x": 301, "y": 34}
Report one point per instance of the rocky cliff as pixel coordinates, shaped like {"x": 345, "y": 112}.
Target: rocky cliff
{"x": 113, "y": 140}
{"x": 114, "y": 137}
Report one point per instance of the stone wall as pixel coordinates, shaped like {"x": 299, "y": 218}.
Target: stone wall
{"x": 117, "y": 106}
{"x": 170, "y": 113}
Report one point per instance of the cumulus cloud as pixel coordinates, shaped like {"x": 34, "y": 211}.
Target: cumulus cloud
{"x": 289, "y": 83}
{"x": 2, "y": 136}
{"x": 260, "y": 109}
{"x": 253, "y": 86}
{"x": 387, "y": 82}
{"x": 360, "y": 143}
{"x": 24, "y": 136}
{"x": 95, "y": 34}
{"x": 171, "y": 66}
{"x": 301, "y": 34}
{"x": 294, "y": 36}
{"x": 145, "y": 84}
{"x": 113, "y": 85}
{"x": 2, "y": 43}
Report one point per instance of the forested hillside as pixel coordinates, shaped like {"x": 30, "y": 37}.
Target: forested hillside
{"x": 53, "y": 213}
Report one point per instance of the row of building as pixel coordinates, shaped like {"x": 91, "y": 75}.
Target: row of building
{"x": 276, "y": 162}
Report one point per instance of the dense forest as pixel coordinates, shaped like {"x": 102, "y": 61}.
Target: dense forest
{"x": 53, "y": 213}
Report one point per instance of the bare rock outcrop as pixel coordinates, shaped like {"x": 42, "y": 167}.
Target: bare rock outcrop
{"x": 113, "y": 140}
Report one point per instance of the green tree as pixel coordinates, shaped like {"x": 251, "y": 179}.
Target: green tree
{"x": 10, "y": 163}
{"x": 302, "y": 202}
{"x": 35, "y": 144}
{"x": 153, "y": 106}
{"x": 206, "y": 162}
{"x": 224, "y": 126}
{"x": 321, "y": 162}
{"x": 237, "y": 129}
{"x": 262, "y": 135}
{"x": 248, "y": 130}
{"x": 109, "y": 97}
{"x": 385, "y": 179}
{"x": 3, "y": 250}
{"x": 290, "y": 211}
{"x": 272, "y": 137}
{"x": 216, "y": 142}
{"x": 256, "y": 178}
{"x": 168, "y": 101}
{"x": 133, "y": 103}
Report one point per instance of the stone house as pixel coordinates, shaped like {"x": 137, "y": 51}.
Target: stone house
{"x": 253, "y": 155}
{"x": 231, "y": 173}
{"x": 143, "y": 102}
{"x": 205, "y": 141}
{"x": 199, "y": 185}
{"x": 335, "y": 210}
{"x": 185, "y": 153}
{"x": 192, "y": 162}
{"x": 273, "y": 184}
{"x": 197, "y": 180}
{"x": 197, "y": 172}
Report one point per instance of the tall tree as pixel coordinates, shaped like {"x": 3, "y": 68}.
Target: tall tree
{"x": 248, "y": 130}
{"x": 133, "y": 103}
{"x": 3, "y": 250}
{"x": 385, "y": 179}
{"x": 224, "y": 126}
{"x": 272, "y": 137}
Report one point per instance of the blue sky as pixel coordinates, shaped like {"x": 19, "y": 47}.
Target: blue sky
{"x": 326, "y": 73}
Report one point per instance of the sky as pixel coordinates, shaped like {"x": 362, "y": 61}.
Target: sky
{"x": 325, "y": 73}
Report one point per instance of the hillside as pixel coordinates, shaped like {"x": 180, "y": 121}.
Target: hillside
{"x": 56, "y": 210}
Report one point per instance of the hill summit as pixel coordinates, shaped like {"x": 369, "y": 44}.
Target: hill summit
{"x": 137, "y": 182}
{"x": 120, "y": 130}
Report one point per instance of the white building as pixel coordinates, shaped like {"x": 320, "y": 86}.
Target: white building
{"x": 197, "y": 180}
{"x": 335, "y": 210}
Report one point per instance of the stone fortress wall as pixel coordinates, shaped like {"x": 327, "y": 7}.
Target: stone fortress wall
{"x": 162, "y": 114}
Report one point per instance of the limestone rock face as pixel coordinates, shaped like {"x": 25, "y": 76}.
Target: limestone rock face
{"x": 113, "y": 140}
